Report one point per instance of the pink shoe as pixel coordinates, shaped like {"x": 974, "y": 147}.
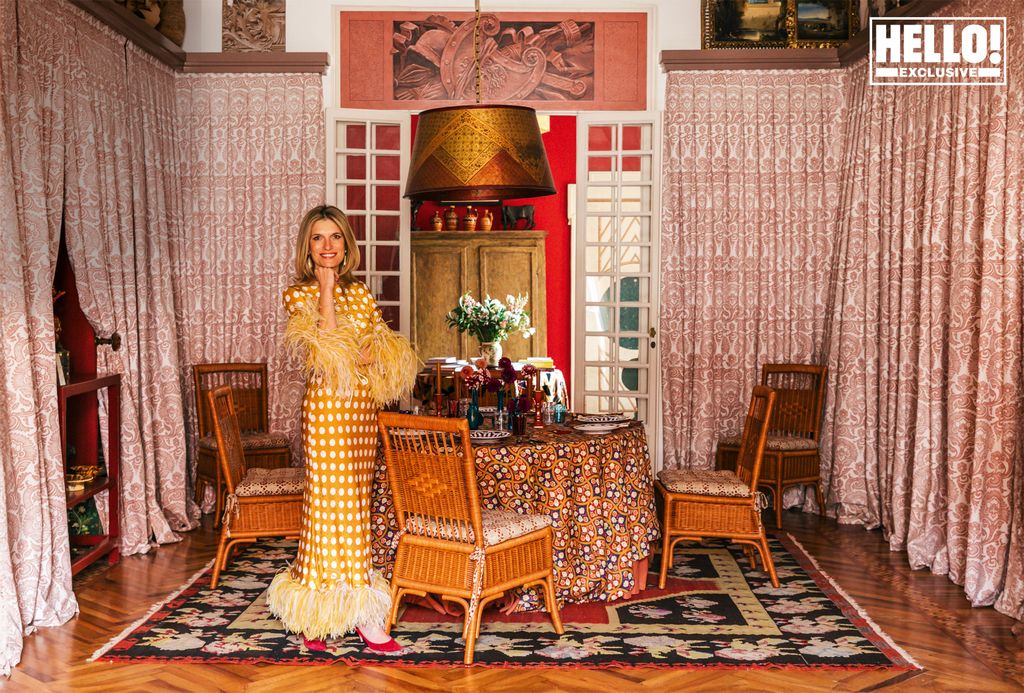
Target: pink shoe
{"x": 389, "y": 645}
{"x": 314, "y": 645}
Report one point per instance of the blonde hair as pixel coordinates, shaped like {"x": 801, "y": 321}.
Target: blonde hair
{"x": 305, "y": 270}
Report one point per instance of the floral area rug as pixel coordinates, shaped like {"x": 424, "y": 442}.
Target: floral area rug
{"x": 715, "y": 611}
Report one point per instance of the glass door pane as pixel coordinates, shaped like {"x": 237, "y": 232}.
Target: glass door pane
{"x": 615, "y": 364}
{"x": 367, "y": 177}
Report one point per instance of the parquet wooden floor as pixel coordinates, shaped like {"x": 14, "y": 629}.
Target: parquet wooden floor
{"x": 962, "y": 649}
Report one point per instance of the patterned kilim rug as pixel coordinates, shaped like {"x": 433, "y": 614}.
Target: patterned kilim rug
{"x": 714, "y": 612}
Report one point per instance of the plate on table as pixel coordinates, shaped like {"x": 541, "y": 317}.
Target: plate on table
{"x": 603, "y": 418}
{"x": 488, "y": 434}
{"x": 595, "y": 429}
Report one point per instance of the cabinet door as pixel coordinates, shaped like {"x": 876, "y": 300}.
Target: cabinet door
{"x": 439, "y": 278}
{"x": 512, "y": 270}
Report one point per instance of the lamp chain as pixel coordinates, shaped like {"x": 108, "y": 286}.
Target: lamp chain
{"x": 476, "y": 50}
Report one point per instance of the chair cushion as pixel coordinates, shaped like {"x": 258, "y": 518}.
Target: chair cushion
{"x": 777, "y": 443}
{"x": 499, "y": 526}
{"x": 253, "y": 440}
{"x": 286, "y": 481}
{"x": 704, "y": 482}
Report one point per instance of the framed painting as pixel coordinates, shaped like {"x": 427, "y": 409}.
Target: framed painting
{"x": 823, "y": 23}
{"x": 780, "y": 23}
{"x": 546, "y": 60}
{"x": 746, "y": 23}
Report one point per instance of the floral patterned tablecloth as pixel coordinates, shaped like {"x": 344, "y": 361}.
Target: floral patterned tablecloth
{"x": 597, "y": 490}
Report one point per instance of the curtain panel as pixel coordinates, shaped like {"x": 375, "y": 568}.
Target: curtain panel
{"x": 115, "y": 221}
{"x": 910, "y": 290}
{"x": 254, "y": 165}
{"x": 923, "y": 427}
{"x": 752, "y": 162}
{"x": 35, "y": 564}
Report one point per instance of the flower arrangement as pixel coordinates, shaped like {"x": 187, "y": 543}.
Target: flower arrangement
{"x": 479, "y": 377}
{"x": 491, "y": 320}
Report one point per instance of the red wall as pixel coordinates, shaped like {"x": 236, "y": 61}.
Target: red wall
{"x": 77, "y": 337}
{"x": 551, "y": 215}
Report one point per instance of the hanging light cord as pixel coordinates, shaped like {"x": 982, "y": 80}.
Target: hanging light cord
{"x": 476, "y": 50}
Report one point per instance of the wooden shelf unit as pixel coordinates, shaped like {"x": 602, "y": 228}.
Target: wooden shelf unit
{"x": 100, "y": 544}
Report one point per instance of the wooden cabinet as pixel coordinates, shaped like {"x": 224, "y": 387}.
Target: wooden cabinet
{"x": 85, "y": 390}
{"x": 447, "y": 264}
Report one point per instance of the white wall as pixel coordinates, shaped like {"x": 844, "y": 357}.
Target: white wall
{"x": 311, "y": 25}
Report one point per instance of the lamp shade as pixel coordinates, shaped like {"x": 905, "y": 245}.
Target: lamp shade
{"x": 478, "y": 152}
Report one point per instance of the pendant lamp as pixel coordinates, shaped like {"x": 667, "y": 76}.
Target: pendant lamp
{"x": 478, "y": 152}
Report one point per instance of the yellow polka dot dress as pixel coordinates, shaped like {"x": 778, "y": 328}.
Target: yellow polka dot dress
{"x": 351, "y": 371}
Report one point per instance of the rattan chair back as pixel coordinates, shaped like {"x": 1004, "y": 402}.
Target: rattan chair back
{"x": 249, "y": 382}
{"x": 229, "y": 435}
{"x": 432, "y": 471}
{"x": 755, "y": 432}
{"x": 799, "y": 398}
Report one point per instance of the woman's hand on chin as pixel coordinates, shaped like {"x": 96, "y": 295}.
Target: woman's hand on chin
{"x": 325, "y": 277}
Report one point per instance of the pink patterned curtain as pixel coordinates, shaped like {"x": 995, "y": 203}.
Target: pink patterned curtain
{"x": 925, "y": 342}
{"x": 35, "y": 564}
{"x": 751, "y": 184}
{"x": 254, "y": 166}
{"x": 897, "y": 260}
{"x": 117, "y": 219}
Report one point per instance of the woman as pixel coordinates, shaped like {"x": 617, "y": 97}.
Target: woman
{"x": 354, "y": 364}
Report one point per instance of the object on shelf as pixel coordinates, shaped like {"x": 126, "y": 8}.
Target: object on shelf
{"x": 436, "y": 222}
{"x": 511, "y": 214}
{"x": 469, "y": 221}
{"x": 451, "y": 219}
{"x": 486, "y": 220}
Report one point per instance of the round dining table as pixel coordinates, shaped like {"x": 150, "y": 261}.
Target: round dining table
{"x": 596, "y": 489}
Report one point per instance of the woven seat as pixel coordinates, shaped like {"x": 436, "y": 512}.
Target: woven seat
{"x": 260, "y": 447}
{"x": 253, "y": 440}
{"x": 791, "y": 451}
{"x": 704, "y": 482}
{"x": 265, "y": 503}
{"x": 448, "y": 545}
{"x": 287, "y": 481}
{"x": 703, "y": 504}
{"x": 499, "y": 526}
{"x": 775, "y": 443}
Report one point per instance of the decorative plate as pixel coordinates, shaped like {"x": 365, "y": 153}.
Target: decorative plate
{"x": 488, "y": 434}
{"x": 598, "y": 428}
{"x": 602, "y": 418}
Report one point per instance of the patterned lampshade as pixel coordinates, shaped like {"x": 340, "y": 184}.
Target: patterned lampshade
{"x": 478, "y": 152}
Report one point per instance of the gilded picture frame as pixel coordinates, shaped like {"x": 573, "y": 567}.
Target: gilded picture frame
{"x": 779, "y": 23}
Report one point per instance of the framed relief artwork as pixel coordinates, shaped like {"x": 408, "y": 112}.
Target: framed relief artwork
{"x": 546, "y": 60}
{"x": 780, "y": 23}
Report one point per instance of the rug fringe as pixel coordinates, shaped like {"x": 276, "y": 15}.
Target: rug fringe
{"x": 853, "y": 604}
{"x": 152, "y": 610}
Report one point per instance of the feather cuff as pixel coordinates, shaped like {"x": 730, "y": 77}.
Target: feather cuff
{"x": 330, "y": 354}
{"x": 393, "y": 365}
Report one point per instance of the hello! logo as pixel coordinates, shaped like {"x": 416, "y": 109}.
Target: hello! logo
{"x": 938, "y": 50}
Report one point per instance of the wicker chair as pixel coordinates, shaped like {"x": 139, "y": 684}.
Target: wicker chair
{"x": 447, "y": 545}
{"x": 791, "y": 453}
{"x": 699, "y": 504}
{"x": 260, "y": 502}
{"x": 261, "y": 447}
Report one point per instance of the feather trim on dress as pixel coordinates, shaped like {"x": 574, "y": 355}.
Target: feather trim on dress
{"x": 331, "y": 612}
{"x": 393, "y": 365}
{"x": 331, "y": 355}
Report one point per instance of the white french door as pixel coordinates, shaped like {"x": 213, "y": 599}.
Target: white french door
{"x": 366, "y": 169}
{"x": 615, "y": 271}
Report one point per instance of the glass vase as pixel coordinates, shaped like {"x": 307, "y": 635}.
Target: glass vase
{"x": 473, "y": 415}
